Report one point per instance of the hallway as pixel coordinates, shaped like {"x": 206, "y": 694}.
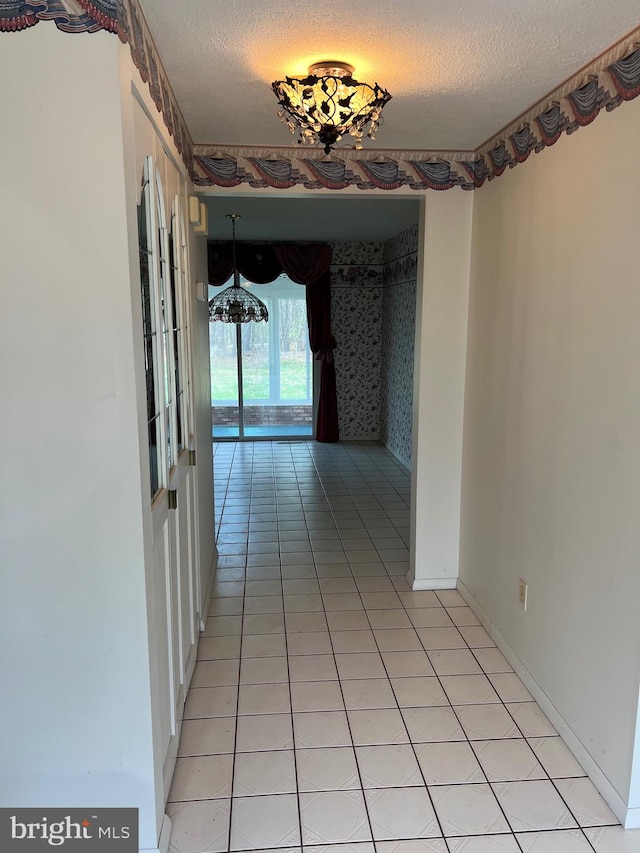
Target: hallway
{"x": 332, "y": 705}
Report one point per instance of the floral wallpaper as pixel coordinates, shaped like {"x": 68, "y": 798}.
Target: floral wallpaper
{"x": 367, "y": 254}
{"x": 373, "y": 294}
{"x": 356, "y": 322}
{"x": 397, "y": 343}
{"x": 401, "y": 246}
{"x": 357, "y": 265}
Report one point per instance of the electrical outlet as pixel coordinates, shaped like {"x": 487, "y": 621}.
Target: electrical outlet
{"x": 523, "y": 590}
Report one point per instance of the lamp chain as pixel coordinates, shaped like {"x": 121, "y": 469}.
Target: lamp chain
{"x": 236, "y": 274}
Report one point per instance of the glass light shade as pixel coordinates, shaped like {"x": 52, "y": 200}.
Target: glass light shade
{"x": 329, "y": 103}
{"x": 236, "y": 305}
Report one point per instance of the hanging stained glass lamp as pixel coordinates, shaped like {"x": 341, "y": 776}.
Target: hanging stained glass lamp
{"x": 235, "y": 304}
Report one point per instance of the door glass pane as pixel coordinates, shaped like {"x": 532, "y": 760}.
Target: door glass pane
{"x": 224, "y": 379}
{"x": 150, "y": 336}
{"x": 276, "y": 368}
{"x": 176, "y": 307}
{"x": 165, "y": 321}
{"x": 185, "y": 399}
{"x": 295, "y": 362}
{"x": 289, "y": 409}
{"x": 256, "y": 347}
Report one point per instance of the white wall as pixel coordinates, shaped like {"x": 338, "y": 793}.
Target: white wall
{"x": 74, "y": 520}
{"x": 76, "y": 717}
{"x": 551, "y": 484}
{"x": 444, "y": 238}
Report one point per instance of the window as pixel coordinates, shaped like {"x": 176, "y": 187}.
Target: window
{"x": 146, "y": 229}
{"x": 163, "y": 276}
{"x": 267, "y": 391}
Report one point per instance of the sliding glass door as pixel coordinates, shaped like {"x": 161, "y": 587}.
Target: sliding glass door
{"x": 262, "y": 373}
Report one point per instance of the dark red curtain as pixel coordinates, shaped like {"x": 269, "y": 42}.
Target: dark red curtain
{"x": 219, "y": 262}
{"x": 310, "y": 265}
{"x": 305, "y": 264}
{"x": 258, "y": 263}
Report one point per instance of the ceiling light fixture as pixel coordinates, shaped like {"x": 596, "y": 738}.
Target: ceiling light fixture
{"x": 235, "y": 304}
{"x": 329, "y": 103}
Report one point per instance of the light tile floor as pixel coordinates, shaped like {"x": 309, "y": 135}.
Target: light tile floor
{"x": 334, "y": 709}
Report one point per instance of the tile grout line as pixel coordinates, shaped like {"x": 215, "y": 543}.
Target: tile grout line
{"x": 324, "y": 612}
{"x": 353, "y": 744}
{"x": 291, "y": 720}
{"x": 410, "y": 742}
{"x": 235, "y": 739}
{"x": 339, "y": 680}
{"x": 501, "y": 701}
{"x": 404, "y": 608}
{"x": 412, "y": 745}
{"x": 468, "y": 740}
{"x": 524, "y": 737}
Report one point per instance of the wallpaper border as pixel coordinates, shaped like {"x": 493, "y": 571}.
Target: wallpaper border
{"x": 604, "y": 84}
{"x": 94, "y": 15}
{"x": 125, "y": 18}
{"x": 608, "y": 81}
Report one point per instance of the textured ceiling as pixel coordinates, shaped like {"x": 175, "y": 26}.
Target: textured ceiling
{"x": 319, "y": 218}
{"x": 458, "y": 71}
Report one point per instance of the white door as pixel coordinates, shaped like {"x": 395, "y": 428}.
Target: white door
{"x": 182, "y": 473}
{"x": 172, "y": 592}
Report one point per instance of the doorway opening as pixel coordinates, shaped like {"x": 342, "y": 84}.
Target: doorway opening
{"x": 262, "y": 373}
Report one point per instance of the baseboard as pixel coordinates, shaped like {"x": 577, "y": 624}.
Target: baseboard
{"x": 204, "y": 605}
{"x": 163, "y": 841}
{"x": 169, "y": 766}
{"x": 165, "y": 835}
{"x": 430, "y": 583}
{"x": 190, "y": 665}
{"x": 398, "y": 459}
{"x": 629, "y": 818}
